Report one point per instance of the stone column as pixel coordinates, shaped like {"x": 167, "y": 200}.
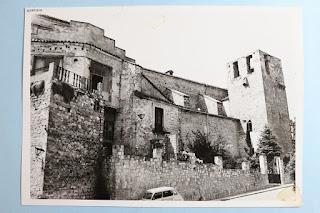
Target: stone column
{"x": 280, "y": 168}
{"x": 263, "y": 164}
{"x": 218, "y": 161}
{"x": 157, "y": 153}
{"x": 118, "y": 151}
{"x": 245, "y": 165}
{"x": 192, "y": 158}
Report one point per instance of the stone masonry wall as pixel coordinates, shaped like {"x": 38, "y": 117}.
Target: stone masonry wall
{"x": 228, "y": 129}
{"x": 276, "y": 100}
{"x": 248, "y": 102}
{"x": 179, "y": 124}
{"x": 75, "y": 134}
{"x": 39, "y": 114}
{"x": 45, "y": 27}
{"x": 77, "y": 58}
{"x": 128, "y": 177}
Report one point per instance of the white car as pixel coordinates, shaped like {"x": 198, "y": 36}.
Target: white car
{"x": 162, "y": 193}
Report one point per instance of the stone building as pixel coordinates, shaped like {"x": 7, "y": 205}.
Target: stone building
{"x": 87, "y": 95}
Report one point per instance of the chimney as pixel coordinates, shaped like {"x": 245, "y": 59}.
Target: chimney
{"x": 169, "y": 72}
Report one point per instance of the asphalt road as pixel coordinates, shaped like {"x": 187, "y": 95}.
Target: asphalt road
{"x": 281, "y": 193}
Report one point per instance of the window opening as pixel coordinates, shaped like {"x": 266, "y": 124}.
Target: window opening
{"x": 158, "y": 119}
{"x": 235, "y": 69}
{"x": 157, "y": 195}
{"x": 95, "y": 80}
{"x": 249, "y": 69}
{"x": 249, "y": 126}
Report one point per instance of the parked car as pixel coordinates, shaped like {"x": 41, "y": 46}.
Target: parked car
{"x": 162, "y": 193}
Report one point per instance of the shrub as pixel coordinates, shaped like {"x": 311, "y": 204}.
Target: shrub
{"x": 206, "y": 150}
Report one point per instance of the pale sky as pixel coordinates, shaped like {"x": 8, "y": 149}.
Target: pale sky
{"x": 196, "y": 42}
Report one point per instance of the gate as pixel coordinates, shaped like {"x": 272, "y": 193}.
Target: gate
{"x": 274, "y": 178}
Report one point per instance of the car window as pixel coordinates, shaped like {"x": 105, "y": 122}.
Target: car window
{"x": 157, "y": 195}
{"x": 147, "y": 195}
{"x": 167, "y": 193}
{"x": 174, "y": 192}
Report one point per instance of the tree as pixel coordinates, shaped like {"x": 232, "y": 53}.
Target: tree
{"x": 290, "y": 159}
{"x": 205, "y": 149}
{"x": 268, "y": 145}
{"x": 168, "y": 152}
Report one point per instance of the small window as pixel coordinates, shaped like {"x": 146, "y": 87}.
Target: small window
{"x": 147, "y": 195}
{"x": 267, "y": 64}
{"x": 186, "y": 101}
{"x": 167, "y": 193}
{"x": 157, "y": 195}
{"x": 249, "y": 69}
{"x": 235, "y": 69}
{"x": 158, "y": 119}
{"x": 249, "y": 126}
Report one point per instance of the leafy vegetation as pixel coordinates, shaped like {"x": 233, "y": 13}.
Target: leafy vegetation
{"x": 205, "y": 149}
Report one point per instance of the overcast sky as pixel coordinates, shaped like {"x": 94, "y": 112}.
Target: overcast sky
{"x": 197, "y": 42}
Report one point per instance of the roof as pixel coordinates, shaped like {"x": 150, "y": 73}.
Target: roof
{"x": 160, "y": 189}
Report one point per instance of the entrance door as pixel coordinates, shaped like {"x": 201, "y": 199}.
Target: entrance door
{"x": 108, "y": 128}
{"x": 274, "y": 172}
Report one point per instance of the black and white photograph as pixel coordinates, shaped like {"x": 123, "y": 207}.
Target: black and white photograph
{"x": 153, "y": 106}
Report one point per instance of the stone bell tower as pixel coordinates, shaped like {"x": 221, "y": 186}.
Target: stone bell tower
{"x": 258, "y": 97}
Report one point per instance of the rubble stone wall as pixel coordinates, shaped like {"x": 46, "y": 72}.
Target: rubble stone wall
{"x": 74, "y": 143}
{"x": 77, "y": 58}
{"x": 128, "y": 177}
{"x": 39, "y": 115}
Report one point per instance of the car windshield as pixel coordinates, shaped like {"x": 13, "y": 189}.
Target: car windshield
{"x": 147, "y": 195}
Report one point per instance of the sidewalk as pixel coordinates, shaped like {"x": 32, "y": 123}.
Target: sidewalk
{"x": 256, "y": 192}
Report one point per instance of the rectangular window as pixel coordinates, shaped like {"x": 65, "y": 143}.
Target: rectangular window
{"x": 167, "y": 193}
{"x": 249, "y": 69}
{"x": 266, "y": 63}
{"x": 235, "y": 69}
{"x": 101, "y": 73}
{"x": 158, "y": 119}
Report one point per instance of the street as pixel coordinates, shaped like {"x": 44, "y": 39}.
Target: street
{"x": 279, "y": 193}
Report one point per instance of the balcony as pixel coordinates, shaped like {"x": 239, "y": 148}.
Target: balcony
{"x": 71, "y": 78}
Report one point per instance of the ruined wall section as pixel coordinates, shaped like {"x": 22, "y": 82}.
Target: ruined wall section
{"x": 40, "y": 89}
{"x": 74, "y": 144}
{"x": 130, "y": 80}
{"x": 49, "y": 28}
{"x": 276, "y": 100}
{"x": 77, "y": 59}
{"x": 129, "y": 177}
